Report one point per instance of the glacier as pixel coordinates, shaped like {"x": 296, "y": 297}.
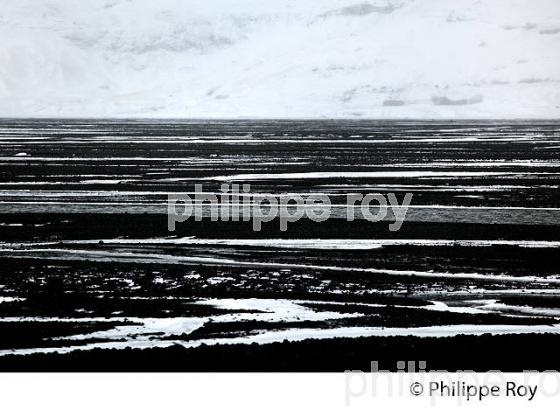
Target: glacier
{"x": 422, "y": 59}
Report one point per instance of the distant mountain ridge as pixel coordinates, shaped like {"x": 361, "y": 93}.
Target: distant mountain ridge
{"x": 282, "y": 58}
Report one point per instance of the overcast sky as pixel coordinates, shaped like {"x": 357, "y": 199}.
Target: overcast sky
{"x": 281, "y": 58}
